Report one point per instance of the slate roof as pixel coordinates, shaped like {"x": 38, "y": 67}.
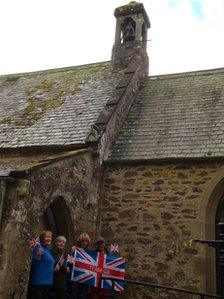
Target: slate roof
{"x": 54, "y": 107}
{"x": 175, "y": 116}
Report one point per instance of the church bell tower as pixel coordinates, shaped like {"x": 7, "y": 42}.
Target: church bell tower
{"x": 132, "y": 24}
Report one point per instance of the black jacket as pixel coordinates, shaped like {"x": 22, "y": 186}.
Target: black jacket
{"x": 60, "y": 277}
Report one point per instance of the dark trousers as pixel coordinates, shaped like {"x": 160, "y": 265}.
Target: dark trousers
{"x": 72, "y": 289}
{"x": 39, "y": 292}
{"x": 78, "y": 290}
{"x": 59, "y": 295}
{"x": 83, "y": 291}
{"x": 104, "y": 294}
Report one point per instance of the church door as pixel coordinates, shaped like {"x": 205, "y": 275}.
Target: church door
{"x": 57, "y": 219}
{"x": 220, "y": 250}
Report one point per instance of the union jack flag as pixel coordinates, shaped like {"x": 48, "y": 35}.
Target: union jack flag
{"x": 91, "y": 266}
{"x": 70, "y": 259}
{"x": 114, "y": 248}
{"x": 34, "y": 242}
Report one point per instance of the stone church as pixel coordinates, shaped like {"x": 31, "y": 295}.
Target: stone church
{"x": 107, "y": 149}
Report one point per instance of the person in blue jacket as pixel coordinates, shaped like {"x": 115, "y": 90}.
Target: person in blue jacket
{"x": 42, "y": 268}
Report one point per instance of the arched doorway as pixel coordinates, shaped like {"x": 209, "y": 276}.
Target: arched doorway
{"x": 57, "y": 219}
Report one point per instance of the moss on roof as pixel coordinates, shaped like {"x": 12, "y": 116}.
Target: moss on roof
{"x": 48, "y": 90}
{"x": 54, "y": 107}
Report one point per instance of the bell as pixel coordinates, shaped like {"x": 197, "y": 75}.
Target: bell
{"x": 129, "y": 33}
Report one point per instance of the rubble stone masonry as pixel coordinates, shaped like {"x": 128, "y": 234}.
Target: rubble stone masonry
{"x": 68, "y": 182}
{"x": 151, "y": 212}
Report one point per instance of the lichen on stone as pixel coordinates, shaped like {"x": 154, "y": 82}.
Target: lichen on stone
{"x": 46, "y": 85}
{"x": 11, "y": 79}
{"x": 36, "y": 109}
{"x": 6, "y": 120}
{"x": 130, "y": 6}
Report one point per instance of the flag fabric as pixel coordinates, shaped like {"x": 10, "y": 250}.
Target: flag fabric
{"x": 70, "y": 259}
{"x": 35, "y": 242}
{"x": 114, "y": 248}
{"x": 90, "y": 266}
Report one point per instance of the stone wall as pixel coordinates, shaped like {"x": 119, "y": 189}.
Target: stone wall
{"x": 123, "y": 54}
{"x": 72, "y": 181}
{"x": 152, "y": 212}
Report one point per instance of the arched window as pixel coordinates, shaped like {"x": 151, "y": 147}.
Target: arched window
{"x": 128, "y": 30}
{"x": 210, "y": 220}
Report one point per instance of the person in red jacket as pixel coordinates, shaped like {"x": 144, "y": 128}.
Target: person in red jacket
{"x": 100, "y": 246}
{"x": 79, "y": 290}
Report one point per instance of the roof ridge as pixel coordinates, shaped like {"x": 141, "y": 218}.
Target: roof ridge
{"x": 55, "y": 70}
{"x": 187, "y": 74}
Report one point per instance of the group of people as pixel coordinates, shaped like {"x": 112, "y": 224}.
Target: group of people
{"x": 51, "y": 268}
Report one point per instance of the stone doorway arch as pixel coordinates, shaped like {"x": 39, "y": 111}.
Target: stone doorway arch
{"x": 57, "y": 218}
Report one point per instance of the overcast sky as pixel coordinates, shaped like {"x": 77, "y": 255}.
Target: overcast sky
{"x": 185, "y": 35}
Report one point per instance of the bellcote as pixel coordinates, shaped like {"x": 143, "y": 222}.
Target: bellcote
{"x": 132, "y": 24}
